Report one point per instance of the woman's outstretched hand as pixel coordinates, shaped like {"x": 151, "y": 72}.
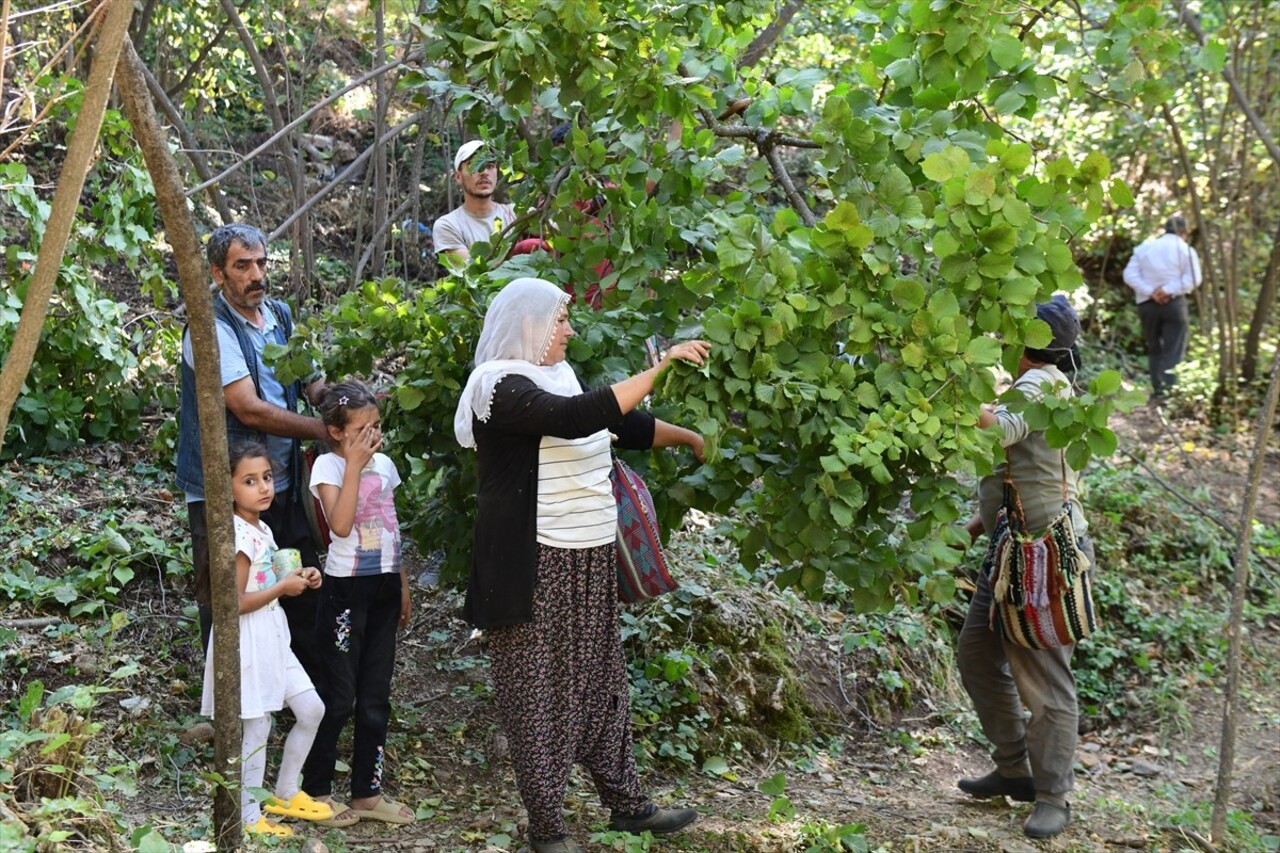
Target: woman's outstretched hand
{"x": 694, "y": 352}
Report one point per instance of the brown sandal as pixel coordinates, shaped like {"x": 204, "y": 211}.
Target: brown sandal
{"x": 343, "y": 815}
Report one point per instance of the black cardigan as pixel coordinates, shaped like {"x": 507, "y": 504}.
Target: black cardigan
{"x": 504, "y": 554}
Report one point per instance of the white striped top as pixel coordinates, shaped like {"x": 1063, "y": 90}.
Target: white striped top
{"x": 576, "y": 508}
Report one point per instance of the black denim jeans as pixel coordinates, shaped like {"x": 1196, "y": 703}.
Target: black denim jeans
{"x": 356, "y": 640}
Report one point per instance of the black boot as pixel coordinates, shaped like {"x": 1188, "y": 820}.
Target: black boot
{"x": 653, "y": 819}
{"x": 1019, "y": 788}
{"x": 1047, "y": 820}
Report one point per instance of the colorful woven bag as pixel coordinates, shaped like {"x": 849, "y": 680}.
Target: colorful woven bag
{"x": 642, "y": 568}
{"x": 1041, "y": 596}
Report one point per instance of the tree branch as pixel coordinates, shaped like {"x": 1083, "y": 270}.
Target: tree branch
{"x": 275, "y": 137}
{"x": 191, "y": 145}
{"x": 194, "y": 68}
{"x": 1035, "y": 19}
{"x": 345, "y": 174}
{"x": 1242, "y": 99}
{"x": 765, "y": 38}
{"x": 788, "y": 187}
{"x": 1240, "y": 582}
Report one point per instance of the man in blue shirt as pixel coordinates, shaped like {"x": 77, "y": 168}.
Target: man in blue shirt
{"x": 259, "y": 406}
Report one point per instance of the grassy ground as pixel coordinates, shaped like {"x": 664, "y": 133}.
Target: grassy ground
{"x": 789, "y": 725}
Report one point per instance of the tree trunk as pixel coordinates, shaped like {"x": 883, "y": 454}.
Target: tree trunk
{"x": 1240, "y": 584}
{"x": 381, "y": 186}
{"x": 66, "y": 200}
{"x": 211, "y": 406}
{"x": 300, "y": 274}
{"x": 1262, "y": 311}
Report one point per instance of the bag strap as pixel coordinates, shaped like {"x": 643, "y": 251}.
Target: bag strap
{"x": 1013, "y": 501}
{"x": 1062, "y": 455}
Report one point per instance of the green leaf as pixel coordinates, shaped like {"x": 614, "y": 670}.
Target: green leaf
{"x": 908, "y": 294}
{"x": 979, "y": 187}
{"x": 1037, "y": 334}
{"x": 994, "y": 265}
{"x": 843, "y": 217}
{"x": 999, "y": 238}
{"x": 946, "y": 164}
{"x": 1212, "y": 56}
{"x": 1095, "y": 167}
{"x": 1102, "y": 443}
{"x": 1006, "y": 51}
{"x": 1030, "y": 260}
{"x": 409, "y": 397}
{"x": 1016, "y": 158}
{"x": 1106, "y": 382}
{"x": 473, "y": 47}
{"x": 1016, "y": 212}
{"x": 1010, "y": 102}
{"x": 1121, "y": 195}
{"x": 774, "y": 786}
{"x": 716, "y": 766}
{"x": 1058, "y": 257}
{"x": 983, "y": 350}
{"x": 1019, "y": 291}
{"x": 904, "y": 72}
{"x": 944, "y": 243}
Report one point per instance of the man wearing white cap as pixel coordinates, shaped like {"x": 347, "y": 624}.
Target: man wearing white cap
{"x": 480, "y": 217}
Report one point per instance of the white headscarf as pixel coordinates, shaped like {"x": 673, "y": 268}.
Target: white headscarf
{"x": 518, "y": 329}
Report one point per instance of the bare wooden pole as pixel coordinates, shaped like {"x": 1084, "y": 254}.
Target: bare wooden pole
{"x": 66, "y": 200}
{"x": 1240, "y": 585}
{"x": 211, "y": 408}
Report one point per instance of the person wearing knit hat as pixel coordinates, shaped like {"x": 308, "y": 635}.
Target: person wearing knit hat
{"x": 1034, "y": 756}
{"x": 475, "y": 171}
{"x": 1064, "y": 324}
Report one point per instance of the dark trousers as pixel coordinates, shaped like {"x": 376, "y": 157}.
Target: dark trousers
{"x": 1165, "y": 328}
{"x": 356, "y": 640}
{"x": 288, "y": 523}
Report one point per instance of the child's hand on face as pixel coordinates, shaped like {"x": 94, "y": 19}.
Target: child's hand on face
{"x": 361, "y": 446}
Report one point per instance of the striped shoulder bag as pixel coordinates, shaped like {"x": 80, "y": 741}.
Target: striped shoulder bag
{"x": 1041, "y": 594}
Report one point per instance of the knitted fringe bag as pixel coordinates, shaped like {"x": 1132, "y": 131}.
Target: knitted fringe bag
{"x": 1041, "y": 595}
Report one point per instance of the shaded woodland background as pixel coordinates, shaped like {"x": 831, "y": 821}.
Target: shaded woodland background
{"x": 803, "y": 160}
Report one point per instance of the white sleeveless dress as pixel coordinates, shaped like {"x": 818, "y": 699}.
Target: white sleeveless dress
{"x": 269, "y": 671}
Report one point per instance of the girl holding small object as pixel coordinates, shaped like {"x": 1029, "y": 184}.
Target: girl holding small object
{"x": 364, "y": 598}
{"x": 270, "y": 675}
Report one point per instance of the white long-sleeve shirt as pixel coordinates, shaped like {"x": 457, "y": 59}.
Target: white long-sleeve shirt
{"x": 1167, "y": 263}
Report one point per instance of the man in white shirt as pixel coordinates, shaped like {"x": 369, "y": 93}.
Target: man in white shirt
{"x": 475, "y": 170}
{"x": 1162, "y": 272}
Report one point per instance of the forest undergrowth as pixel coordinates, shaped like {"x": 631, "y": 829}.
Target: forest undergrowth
{"x": 790, "y": 724}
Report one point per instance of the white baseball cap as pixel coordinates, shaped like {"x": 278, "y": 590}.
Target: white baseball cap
{"x": 466, "y": 151}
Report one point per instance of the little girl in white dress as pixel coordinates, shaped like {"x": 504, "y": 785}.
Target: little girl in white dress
{"x": 270, "y": 675}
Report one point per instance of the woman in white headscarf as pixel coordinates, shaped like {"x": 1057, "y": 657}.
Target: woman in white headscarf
{"x": 543, "y": 580}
